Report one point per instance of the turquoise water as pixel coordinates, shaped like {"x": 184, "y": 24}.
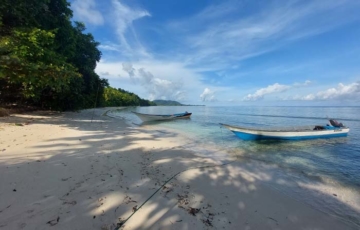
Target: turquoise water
{"x": 335, "y": 159}
{"x": 330, "y": 167}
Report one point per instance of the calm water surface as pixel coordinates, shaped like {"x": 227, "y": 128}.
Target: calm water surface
{"x": 335, "y": 159}
{"x": 328, "y": 166}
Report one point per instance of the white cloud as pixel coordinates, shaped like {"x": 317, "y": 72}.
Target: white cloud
{"x": 111, "y": 71}
{"x": 160, "y": 88}
{"x": 85, "y": 11}
{"x": 272, "y": 89}
{"x": 341, "y": 92}
{"x": 105, "y": 73}
{"x": 208, "y": 95}
{"x": 127, "y": 67}
{"x": 147, "y": 77}
{"x": 154, "y": 87}
{"x": 260, "y": 93}
{"x": 158, "y": 80}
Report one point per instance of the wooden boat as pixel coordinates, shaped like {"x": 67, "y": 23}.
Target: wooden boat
{"x": 157, "y": 117}
{"x": 334, "y": 129}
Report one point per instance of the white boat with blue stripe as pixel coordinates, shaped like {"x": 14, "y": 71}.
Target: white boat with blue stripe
{"x": 334, "y": 129}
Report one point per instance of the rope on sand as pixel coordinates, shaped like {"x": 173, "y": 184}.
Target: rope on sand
{"x": 122, "y": 223}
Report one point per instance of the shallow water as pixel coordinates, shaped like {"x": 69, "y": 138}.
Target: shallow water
{"x": 336, "y": 158}
{"x": 334, "y": 163}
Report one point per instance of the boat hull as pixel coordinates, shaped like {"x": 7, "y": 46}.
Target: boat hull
{"x": 151, "y": 117}
{"x": 252, "y": 134}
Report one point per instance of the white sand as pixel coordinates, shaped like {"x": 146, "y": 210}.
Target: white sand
{"x": 62, "y": 171}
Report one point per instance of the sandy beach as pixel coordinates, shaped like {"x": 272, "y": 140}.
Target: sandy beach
{"x": 84, "y": 170}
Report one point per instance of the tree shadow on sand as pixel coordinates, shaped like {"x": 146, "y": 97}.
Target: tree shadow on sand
{"x": 97, "y": 181}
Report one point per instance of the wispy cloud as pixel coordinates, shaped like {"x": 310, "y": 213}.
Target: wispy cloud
{"x": 122, "y": 20}
{"x": 233, "y": 35}
{"x": 341, "y": 92}
{"x": 207, "y": 95}
{"x": 272, "y": 89}
{"x": 86, "y": 11}
{"x": 110, "y": 47}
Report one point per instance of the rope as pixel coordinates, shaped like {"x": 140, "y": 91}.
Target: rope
{"x": 122, "y": 223}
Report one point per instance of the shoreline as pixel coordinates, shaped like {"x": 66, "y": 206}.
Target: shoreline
{"x": 69, "y": 172}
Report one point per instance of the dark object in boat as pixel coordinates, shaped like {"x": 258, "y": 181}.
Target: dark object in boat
{"x": 335, "y": 123}
{"x": 318, "y": 127}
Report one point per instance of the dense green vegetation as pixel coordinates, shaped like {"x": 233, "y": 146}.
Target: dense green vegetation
{"x": 167, "y": 103}
{"x": 170, "y": 103}
{"x": 46, "y": 60}
{"x": 120, "y": 97}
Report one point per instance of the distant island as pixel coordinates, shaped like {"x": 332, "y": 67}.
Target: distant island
{"x": 170, "y": 103}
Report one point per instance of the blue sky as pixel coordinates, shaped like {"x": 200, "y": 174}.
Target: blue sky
{"x": 229, "y": 52}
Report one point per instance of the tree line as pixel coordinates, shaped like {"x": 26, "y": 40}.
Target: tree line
{"x": 120, "y": 97}
{"x": 48, "y": 61}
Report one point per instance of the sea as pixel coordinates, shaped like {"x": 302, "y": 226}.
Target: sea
{"x": 330, "y": 166}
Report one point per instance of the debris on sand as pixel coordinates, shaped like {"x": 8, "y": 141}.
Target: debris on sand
{"x": 134, "y": 208}
{"x": 54, "y": 221}
{"x": 182, "y": 200}
{"x": 128, "y": 200}
{"x": 193, "y": 211}
{"x": 120, "y": 223}
{"x": 70, "y": 202}
{"x": 167, "y": 190}
{"x": 207, "y": 222}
